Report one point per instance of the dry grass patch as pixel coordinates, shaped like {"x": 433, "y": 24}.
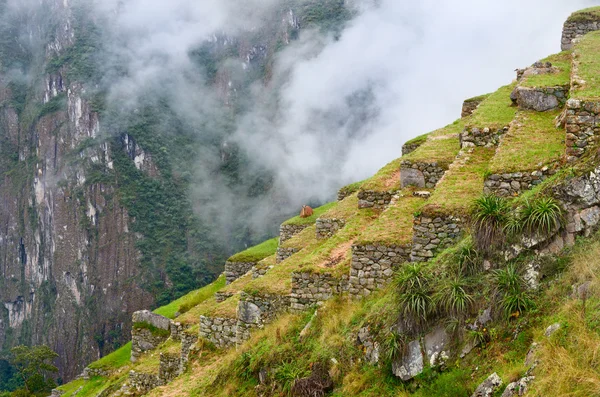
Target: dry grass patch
{"x": 562, "y": 61}
{"x": 305, "y": 238}
{"x": 441, "y": 149}
{"x": 461, "y": 184}
{"x": 587, "y": 59}
{"x": 532, "y": 142}
{"x": 394, "y": 225}
{"x": 345, "y": 210}
{"x": 586, "y": 15}
{"x": 385, "y": 179}
{"x": 497, "y": 111}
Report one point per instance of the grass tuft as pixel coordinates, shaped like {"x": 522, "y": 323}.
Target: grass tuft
{"x": 258, "y": 252}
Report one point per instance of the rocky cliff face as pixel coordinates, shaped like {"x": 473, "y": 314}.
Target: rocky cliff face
{"x": 95, "y": 222}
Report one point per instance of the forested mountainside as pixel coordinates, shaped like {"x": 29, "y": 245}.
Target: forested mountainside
{"x": 96, "y": 216}
{"x": 466, "y": 267}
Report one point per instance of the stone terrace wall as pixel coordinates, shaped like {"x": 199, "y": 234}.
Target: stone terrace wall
{"x": 222, "y": 296}
{"x": 582, "y": 124}
{"x": 373, "y": 266}
{"x": 142, "y": 339}
{"x": 408, "y": 148}
{"x": 309, "y": 289}
{"x": 142, "y": 383}
{"x": 470, "y": 105}
{"x": 513, "y": 184}
{"x": 220, "y": 331}
{"x": 572, "y": 30}
{"x": 421, "y": 174}
{"x": 540, "y": 99}
{"x": 235, "y": 270}
{"x": 373, "y": 199}
{"x": 284, "y": 253}
{"x": 327, "y": 227}
{"x": 256, "y": 310}
{"x": 434, "y": 234}
{"x": 168, "y": 367}
{"x": 486, "y": 137}
{"x": 286, "y": 232}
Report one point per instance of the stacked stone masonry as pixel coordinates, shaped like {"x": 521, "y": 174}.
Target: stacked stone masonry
{"x": 470, "y": 105}
{"x": 327, "y": 227}
{"x": 582, "y": 124}
{"x": 310, "y": 289}
{"x": 259, "y": 271}
{"x": 286, "y": 232}
{"x": 485, "y": 137}
{"x": 540, "y": 99}
{"x": 188, "y": 343}
{"x": 513, "y": 184}
{"x": 142, "y": 383}
{"x": 574, "y": 29}
{"x": 408, "y": 147}
{"x": 284, "y": 253}
{"x": 374, "y": 199}
{"x": 422, "y": 175}
{"x": 169, "y": 367}
{"x": 254, "y": 311}
{"x": 143, "y": 339}
{"x": 222, "y": 296}
{"x": 431, "y": 235}
{"x": 373, "y": 266}
{"x": 219, "y": 331}
{"x": 235, "y": 270}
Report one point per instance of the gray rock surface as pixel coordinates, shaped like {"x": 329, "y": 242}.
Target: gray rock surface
{"x": 436, "y": 346}
{"x": 411, "y": 364}
{"x": 552, "y": 329}
{"x": 518, "y": 388}
{"x": 488, "y": 387}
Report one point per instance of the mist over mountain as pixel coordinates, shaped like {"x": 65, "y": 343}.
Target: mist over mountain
{"x": 143, "y": 142}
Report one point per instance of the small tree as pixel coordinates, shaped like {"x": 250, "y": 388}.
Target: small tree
{"x": 33, "y": 366}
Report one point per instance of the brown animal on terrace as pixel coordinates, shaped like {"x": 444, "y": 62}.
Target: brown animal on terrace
{"x": 306, "y": 212}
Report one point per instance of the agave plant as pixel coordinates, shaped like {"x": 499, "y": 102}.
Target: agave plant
{"x": 453, "y": 297}
{"x": 490, "y": 215}
{"x": 468, "y": 259}
{"x": 543, "y": 215}
{"x": 414, "y": 290}
{"x": 511, "y": 291}
{"x": 393, "y": 345}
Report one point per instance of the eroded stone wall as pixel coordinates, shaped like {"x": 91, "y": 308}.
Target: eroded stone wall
{"x": 574, "y": 29}
{"x": 432, "y": 234}
{"x": 144, "y": 339}
{"x": 485, "y": 137}
{"x": 582, "y": 126}
{"x": 408, "y": 147}
{"x": 235, "y": 270}
{"x": 220, "y": 331}
{"x": 513, "y": 184}
{"x": 327, "y": 227}
{"x": 310, "y": 289}
{"x": 540, "y": 99}
{"x": 286, "y": 232}
{"x": 142, "y": 383}
{"x": 284, "y": 253}
{"x": 256, "y": 310}
{"x": 470, "y": 105}
{"x": 222, "y": 296}
{"x": 374, "y": 199}
{"x": 168, "y": 367}
{"x": 421, "y": 174}
{"x": 373, "y": 266}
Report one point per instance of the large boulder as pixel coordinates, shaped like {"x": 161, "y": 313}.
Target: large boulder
{"x": 410, "y": 364}
{"x": 436, "y": 343}
{"x": 156, "y": 320}
{"x": 488, "y": 387}
{"x": 412, "y": 177}
{"x": 249, "y": 313}
{"x": 535, "y": 99}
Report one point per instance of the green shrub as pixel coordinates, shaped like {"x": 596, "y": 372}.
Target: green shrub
{"x": 490, "y": 215}
{"x": 510, "y": 291}
{"x": 393, "y": 345}
{"x": 468, "y": 259}
{"x": 452, "y": 297}
{"x": 287, "y": 373}
{"x": 154, "y": 330}
{"x": 414, "y": 287}
{"x": 543, "y": 216}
